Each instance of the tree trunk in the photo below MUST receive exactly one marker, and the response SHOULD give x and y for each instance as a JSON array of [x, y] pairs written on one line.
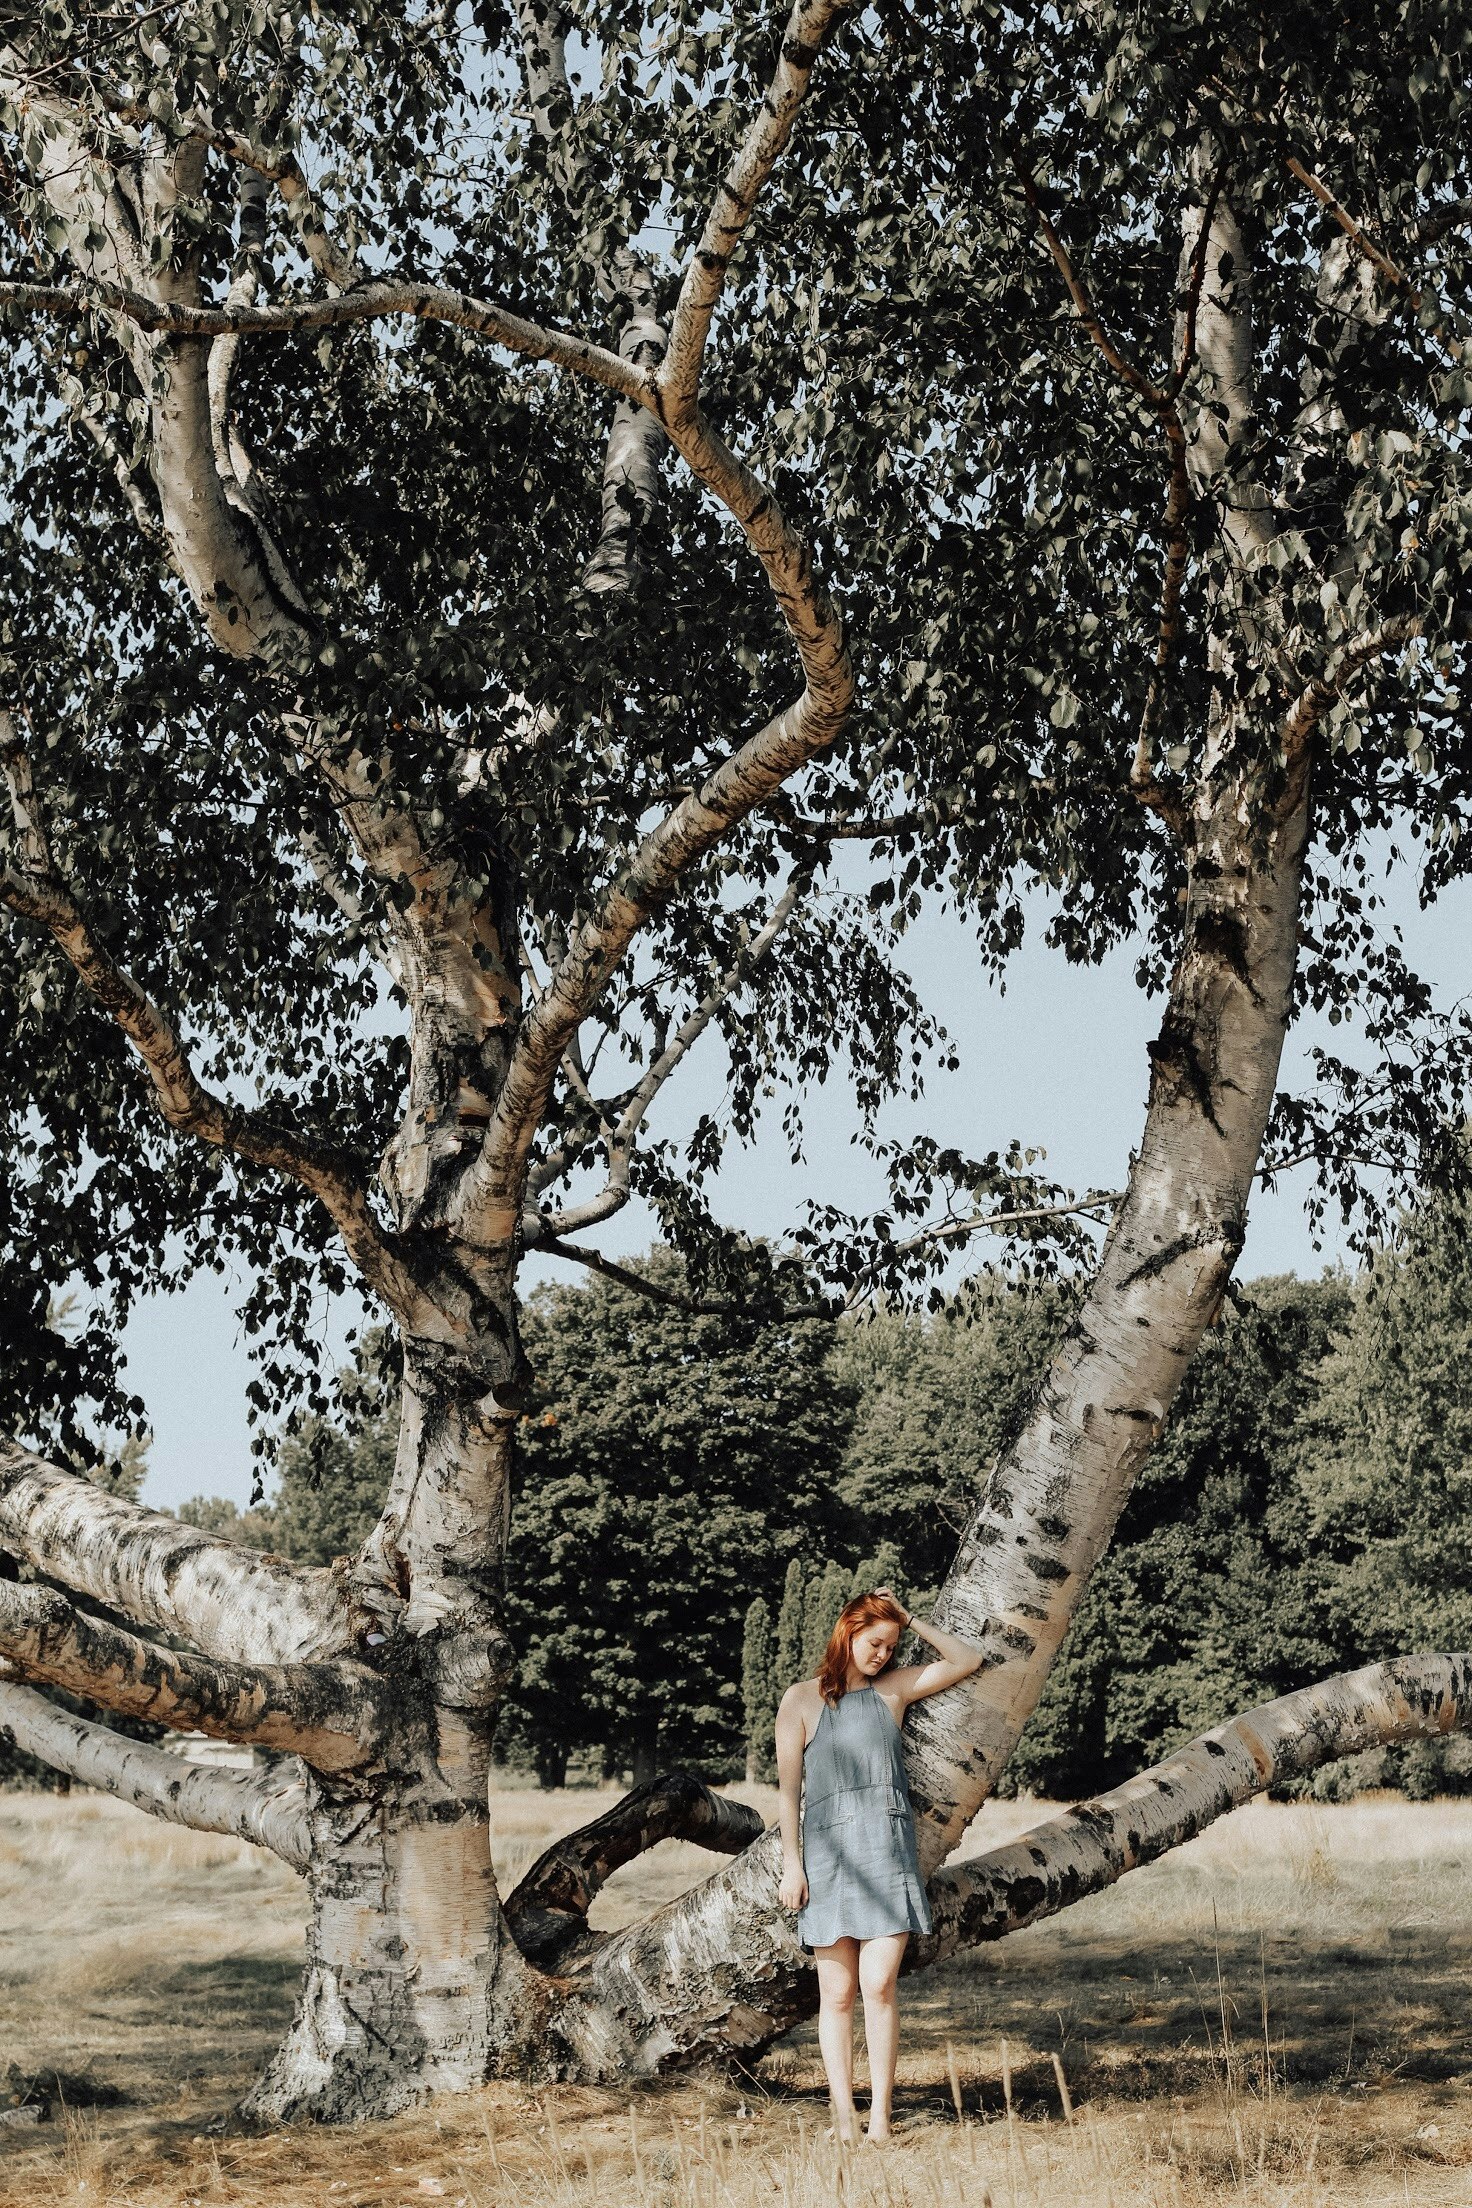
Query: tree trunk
[[412, 1982], [551, 1759], [721, 1968], [1051, 1505]]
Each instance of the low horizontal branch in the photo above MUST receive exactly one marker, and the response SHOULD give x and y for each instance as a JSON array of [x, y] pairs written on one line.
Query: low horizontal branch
[[326, 1713], [549, 1909], [1092, 1846], [266, 1807], [232, 1602]]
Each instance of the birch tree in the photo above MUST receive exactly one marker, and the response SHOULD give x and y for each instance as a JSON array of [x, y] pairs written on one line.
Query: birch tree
[[500, 506]]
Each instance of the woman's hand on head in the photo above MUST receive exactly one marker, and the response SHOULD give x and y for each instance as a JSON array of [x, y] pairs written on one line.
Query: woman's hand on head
[[890, 1596], [793, 1891]]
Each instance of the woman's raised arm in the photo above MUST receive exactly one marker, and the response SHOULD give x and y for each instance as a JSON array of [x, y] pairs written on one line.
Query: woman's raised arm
[[954, 1660]]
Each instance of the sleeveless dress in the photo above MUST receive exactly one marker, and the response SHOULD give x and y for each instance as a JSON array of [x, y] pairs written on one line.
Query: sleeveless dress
[[858, 1828]]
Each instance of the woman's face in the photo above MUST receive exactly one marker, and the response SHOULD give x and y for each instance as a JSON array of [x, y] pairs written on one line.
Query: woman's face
[[873, 1645]]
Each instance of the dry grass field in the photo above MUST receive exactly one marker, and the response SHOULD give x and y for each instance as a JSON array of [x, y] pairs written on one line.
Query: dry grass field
[[1277, 2017]]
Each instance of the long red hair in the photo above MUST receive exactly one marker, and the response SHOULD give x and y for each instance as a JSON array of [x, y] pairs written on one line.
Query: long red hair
[[864, 1610]]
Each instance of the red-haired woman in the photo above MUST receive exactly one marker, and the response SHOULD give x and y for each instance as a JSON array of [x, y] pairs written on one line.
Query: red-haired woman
[[854, 1873]]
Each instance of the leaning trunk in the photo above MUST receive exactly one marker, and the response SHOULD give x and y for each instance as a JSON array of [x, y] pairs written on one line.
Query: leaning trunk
[[1052, 1502], [720, 1970]]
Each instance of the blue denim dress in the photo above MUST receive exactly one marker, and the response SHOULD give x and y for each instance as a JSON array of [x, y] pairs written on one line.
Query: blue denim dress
[[858, 1828]]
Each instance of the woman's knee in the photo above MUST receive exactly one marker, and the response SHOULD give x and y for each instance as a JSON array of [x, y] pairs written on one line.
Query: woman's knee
[[879, 1968], [838, 1981]]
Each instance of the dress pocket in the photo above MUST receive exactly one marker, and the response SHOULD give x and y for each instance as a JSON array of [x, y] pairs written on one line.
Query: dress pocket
[[829, 1815]]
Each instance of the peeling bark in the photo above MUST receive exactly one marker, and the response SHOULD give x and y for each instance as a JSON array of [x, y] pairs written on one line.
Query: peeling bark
[[231, 1602], [1050, 1506], [268, 1808], [413, 1983], [701, 1980], [332, 1715], [1056, 1864]]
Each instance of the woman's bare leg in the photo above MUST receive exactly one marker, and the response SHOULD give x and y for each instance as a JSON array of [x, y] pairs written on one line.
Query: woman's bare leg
[[879, 1969], [838, 1980]]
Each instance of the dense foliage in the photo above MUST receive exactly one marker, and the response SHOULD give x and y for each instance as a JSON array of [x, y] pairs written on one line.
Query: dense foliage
[[900, 354]]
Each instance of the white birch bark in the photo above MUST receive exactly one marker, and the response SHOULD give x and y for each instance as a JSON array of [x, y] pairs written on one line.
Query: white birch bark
[[413, 1983], [720, 1971], [231, 1602], [267, 1807], [335, 1716], [1089, 1847], [1051, 1504], [689, 1983], [414, 1980]]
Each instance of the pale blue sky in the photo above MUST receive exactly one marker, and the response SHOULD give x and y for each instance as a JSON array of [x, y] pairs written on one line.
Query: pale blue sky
[[1057, 1058]]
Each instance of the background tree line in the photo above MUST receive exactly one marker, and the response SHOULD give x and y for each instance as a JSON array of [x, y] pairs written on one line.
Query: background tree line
[[697, 1500]]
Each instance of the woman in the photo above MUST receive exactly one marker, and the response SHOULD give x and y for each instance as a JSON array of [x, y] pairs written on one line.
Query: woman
[[854, 1874]]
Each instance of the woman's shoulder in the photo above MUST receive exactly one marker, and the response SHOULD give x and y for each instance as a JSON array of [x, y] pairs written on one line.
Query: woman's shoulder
[[801, 1695], [803, 1700]]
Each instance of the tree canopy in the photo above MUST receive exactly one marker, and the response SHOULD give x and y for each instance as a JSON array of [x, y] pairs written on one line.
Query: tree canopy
[[952, 385], [535, 537]]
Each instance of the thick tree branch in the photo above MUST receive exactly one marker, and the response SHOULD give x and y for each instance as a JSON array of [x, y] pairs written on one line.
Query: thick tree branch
[[806, 31], [678, 1963], [328, 1714], [232, 1602], [736, 788], [631, 460], [41, 894], [494, 1188], [376, 299], [549, 1909], [112, 218], [231, 461], [1088, 1848], [267, 1807]]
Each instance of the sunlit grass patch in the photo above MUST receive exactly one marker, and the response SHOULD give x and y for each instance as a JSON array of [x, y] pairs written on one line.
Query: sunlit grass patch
[[1275, 2017]]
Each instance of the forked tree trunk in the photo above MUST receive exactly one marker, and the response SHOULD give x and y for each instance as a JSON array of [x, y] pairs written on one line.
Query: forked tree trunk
[[720, 1969], [386, 1674]]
